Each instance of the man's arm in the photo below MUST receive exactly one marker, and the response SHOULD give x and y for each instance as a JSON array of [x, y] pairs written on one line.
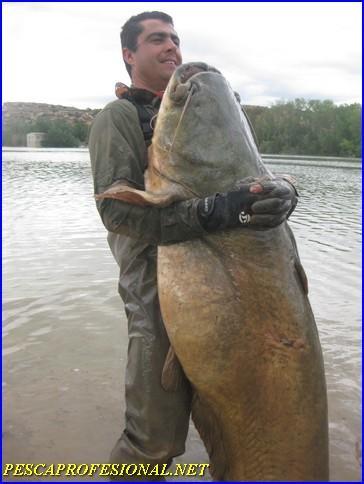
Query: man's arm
[[176, 223], [118, 152]]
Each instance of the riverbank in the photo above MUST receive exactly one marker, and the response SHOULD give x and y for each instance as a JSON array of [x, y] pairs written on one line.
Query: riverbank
[[328, 161]]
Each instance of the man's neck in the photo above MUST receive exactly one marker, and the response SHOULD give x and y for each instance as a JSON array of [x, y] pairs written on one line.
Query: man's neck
[[158, 90]]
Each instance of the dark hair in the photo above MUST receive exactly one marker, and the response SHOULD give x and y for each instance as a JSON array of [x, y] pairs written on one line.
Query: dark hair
[[131, 30]]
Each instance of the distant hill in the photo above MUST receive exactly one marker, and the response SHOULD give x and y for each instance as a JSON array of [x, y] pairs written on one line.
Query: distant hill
[[64, 126], [300, 127], [31, 112]]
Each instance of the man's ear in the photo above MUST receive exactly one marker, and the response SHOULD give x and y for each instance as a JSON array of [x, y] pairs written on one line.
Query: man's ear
[[128, 56]]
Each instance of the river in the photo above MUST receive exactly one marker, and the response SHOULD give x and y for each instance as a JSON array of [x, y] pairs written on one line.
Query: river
[[64, 329]]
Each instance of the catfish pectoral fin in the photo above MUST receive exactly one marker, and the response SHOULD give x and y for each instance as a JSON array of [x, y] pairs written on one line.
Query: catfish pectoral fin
[[301, 275], [135, 197], [127, 196], [172, 373]]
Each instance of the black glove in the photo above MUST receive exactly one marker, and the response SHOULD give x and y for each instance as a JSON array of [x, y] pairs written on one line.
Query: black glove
[[277, 201], [226, 210], [263, 203]]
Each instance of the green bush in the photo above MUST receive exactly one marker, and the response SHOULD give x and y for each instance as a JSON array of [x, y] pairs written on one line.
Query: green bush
[[309, 128], [302, 127], [60, 135]]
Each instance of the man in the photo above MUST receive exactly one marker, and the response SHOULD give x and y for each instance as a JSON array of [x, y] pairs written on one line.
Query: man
[[156, 421]]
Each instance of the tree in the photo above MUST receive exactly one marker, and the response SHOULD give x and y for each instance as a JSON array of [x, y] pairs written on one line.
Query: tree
[[309, 128], [80, 131], [60, 135], [15, 132]]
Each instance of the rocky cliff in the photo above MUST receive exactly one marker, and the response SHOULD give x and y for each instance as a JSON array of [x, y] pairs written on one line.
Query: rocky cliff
[[30, 112]]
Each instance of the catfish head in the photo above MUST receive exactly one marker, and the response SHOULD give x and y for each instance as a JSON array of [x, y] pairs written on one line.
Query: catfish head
[[202, 141]]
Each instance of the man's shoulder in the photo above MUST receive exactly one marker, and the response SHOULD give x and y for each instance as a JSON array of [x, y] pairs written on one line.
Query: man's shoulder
[[119, 106], [121, 113]]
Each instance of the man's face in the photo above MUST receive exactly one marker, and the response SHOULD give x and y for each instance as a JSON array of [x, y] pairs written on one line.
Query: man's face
[[157, 55]]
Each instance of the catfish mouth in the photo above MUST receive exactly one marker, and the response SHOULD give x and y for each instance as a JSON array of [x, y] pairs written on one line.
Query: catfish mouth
[[186, 71], [182, 86], [182, 83]]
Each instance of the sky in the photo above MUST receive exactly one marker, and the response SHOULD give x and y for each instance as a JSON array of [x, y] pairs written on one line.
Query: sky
[[69, 53]]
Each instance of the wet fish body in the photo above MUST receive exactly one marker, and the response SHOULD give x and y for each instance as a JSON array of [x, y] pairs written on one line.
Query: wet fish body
[[235, 303]]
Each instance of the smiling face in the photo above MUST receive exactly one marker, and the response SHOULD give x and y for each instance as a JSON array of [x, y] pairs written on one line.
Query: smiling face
[[156, 57]]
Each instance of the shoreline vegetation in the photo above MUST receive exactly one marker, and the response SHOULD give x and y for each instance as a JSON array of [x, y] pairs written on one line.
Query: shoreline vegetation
[[299, 127]]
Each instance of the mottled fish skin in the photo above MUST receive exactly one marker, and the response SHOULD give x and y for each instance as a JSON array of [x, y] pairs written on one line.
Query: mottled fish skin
[[235, 303]]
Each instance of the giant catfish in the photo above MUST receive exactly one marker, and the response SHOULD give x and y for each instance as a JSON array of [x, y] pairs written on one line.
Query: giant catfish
[[235, 302]]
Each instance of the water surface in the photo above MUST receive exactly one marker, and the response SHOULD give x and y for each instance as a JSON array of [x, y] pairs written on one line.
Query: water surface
[[64, 329]]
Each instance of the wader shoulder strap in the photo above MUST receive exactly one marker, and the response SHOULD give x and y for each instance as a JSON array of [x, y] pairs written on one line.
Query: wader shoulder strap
[[144, 102], [145, 114]]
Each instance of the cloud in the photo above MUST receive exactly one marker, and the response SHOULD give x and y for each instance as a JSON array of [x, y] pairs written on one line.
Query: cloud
[[56, 52]]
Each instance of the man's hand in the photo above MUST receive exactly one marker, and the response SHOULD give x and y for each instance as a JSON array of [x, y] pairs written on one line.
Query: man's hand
[[260, 203], [278, 199]]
